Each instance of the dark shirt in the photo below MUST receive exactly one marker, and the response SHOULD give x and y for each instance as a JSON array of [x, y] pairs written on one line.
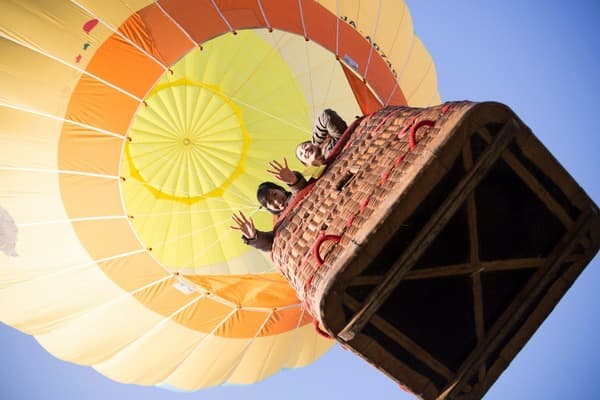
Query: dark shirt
[[264, 240]]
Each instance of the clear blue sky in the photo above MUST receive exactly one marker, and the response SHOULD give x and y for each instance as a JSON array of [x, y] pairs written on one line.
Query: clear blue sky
[[542, 58]]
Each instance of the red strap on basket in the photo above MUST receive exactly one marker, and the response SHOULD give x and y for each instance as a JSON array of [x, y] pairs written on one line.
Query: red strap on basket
[[412, 141], [330, 158], [337, 149], [320, 331], [385, 120], [407, 124], [339, 145], [317, 245], [295, 200]]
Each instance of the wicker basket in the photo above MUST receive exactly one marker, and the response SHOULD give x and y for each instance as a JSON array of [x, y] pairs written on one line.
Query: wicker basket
[[437, 242]]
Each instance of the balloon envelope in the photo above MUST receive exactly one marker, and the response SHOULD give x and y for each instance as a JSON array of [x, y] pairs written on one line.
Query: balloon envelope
[[131, 130]]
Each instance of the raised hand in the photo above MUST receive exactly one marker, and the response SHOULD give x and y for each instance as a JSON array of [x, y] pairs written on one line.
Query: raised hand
[[244, 225], [282, 172]]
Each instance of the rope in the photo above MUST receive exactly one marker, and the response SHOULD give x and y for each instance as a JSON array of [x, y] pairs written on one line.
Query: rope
[[302, 20], [262, 12], [216, 7]]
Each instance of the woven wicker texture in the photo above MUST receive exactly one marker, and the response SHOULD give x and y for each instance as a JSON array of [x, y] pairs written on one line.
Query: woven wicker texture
[[437, 242], [383, 154]]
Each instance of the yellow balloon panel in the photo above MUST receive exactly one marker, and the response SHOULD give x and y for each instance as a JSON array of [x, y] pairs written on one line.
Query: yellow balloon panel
[[387, 24], [393, 26], [217, 360], [270, 355], [27, 140], [306, 347], [365, 18], [45, 241], [419, 78], [37, 310], [41, 250], [201, 145], [395, 38], [138, 362], [213, 361], [33, 82], [319, 75], [64, 31], [126, 318]]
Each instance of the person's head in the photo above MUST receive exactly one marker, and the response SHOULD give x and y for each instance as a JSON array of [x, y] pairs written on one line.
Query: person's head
[[310, 154], [272, 197]]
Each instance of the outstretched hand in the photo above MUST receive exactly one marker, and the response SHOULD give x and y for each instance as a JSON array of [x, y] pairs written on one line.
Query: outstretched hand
[[282, 172], [244, 225]]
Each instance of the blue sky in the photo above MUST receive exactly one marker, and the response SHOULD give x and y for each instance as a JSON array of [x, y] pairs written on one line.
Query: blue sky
[[539, 57]]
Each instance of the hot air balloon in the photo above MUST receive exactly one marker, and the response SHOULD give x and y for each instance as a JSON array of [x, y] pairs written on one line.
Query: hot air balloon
[[131, 130]]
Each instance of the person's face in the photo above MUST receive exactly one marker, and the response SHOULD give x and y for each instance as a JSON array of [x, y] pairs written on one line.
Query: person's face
[[276, 200], [309, 154]]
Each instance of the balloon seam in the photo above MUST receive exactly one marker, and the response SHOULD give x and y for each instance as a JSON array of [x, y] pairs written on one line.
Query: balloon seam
[[57, 59], [117, 32], [174, 21]]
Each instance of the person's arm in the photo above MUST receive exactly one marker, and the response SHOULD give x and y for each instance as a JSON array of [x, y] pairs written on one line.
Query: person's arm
[[328, 123], [261, 240], [250, 235], [293, 179], [299, 184]]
